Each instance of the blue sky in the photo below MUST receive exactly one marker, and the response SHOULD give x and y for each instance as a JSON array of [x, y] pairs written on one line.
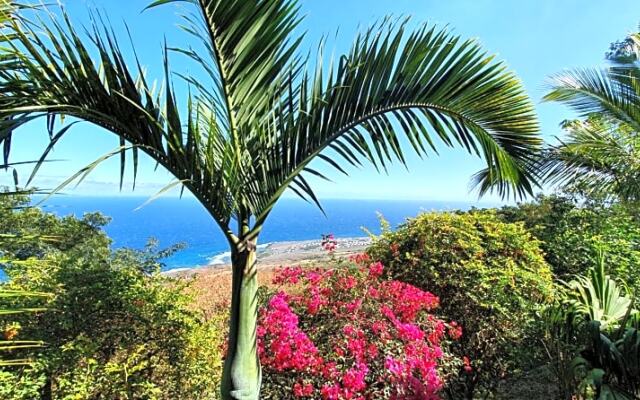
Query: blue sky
[[536, 38]]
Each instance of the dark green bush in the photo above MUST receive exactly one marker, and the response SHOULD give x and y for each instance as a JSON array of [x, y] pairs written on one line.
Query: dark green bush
[[491, 278], [573, 235], [115, 328]]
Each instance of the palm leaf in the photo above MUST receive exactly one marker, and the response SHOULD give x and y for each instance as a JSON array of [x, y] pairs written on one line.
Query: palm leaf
[[611, 94], [52, 54], [13, 345], [596, 158], [253, 130], [436, 85]]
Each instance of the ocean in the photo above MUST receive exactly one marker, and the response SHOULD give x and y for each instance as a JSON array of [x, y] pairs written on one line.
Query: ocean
[[174, 220]]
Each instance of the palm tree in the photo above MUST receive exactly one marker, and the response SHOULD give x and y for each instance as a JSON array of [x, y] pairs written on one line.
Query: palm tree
[[597, 158], [251, 129], [601, 154]]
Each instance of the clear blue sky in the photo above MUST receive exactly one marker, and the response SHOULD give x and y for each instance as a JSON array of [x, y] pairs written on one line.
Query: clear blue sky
[[535, 37]]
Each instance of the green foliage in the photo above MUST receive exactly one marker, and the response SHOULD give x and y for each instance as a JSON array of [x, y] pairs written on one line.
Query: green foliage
[[573, 235], [114, 326], [258, 118], [10, 330], [9, 200], [23, 385], [32, 233], [598, 297], [596, 158], [594, 329], [625, 51], [490, 276], [600, 155]]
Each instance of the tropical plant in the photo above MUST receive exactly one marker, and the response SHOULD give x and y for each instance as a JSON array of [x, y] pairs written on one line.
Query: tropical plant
[[594, 334], [491, 278], [612, 366], [625, 51], [344, 332], [597, 158], [600, 156], [10, 300], [252, 128], [598, 297], [573, 233]]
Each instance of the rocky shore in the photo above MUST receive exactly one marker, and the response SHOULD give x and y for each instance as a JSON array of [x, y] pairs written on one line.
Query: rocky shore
[[286, 254]]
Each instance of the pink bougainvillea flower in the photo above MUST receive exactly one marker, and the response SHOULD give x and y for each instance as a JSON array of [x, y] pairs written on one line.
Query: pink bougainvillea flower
[[302, 390], [376, 269], [343, 332], [467, 365], [287, 275]]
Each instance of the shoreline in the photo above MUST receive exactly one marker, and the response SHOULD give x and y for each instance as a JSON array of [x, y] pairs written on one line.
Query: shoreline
[[277, 254]]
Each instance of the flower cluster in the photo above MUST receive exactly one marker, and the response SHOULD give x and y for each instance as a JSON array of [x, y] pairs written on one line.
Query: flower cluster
[[329, 242], [290, 348], [346, 333]]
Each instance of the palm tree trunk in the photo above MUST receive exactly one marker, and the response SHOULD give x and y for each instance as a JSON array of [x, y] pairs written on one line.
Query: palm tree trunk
[[242, 375]]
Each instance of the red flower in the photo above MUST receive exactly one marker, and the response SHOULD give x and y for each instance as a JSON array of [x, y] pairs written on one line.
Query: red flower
[[287, 275], [360, 259], [302, 390], [467, 365], [455, 331], [375, 269], [329, 243]]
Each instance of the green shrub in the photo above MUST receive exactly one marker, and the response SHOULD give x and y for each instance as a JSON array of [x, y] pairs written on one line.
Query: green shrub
[[22, 384], [28, 232], [593, 335], [490, 276], [115, 328], [573, 235]]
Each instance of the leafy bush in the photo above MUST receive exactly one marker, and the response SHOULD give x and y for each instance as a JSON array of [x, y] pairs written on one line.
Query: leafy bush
[[28, 232], [114, 327], [491, 277], [594, 330], [573, 235], [346, 334]]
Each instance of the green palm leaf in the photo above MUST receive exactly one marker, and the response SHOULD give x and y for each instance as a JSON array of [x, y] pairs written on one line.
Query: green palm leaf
[[611, 93], [600, 155], [597, 158], [434, 85]]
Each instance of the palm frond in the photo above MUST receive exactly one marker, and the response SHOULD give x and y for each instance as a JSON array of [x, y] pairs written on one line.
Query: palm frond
[[425, 85], [612, 94], [250, 49], [596, 158], [53, 74], [600, 154], [267, 114]]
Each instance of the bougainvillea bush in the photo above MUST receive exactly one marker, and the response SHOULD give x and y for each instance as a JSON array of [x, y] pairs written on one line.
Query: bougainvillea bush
[[346, 333]]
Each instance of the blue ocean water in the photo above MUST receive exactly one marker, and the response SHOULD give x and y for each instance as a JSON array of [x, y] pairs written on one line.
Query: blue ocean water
[[174, 220]]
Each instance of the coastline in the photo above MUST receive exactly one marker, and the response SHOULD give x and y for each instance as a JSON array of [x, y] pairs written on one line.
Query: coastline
[[279, 254]]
